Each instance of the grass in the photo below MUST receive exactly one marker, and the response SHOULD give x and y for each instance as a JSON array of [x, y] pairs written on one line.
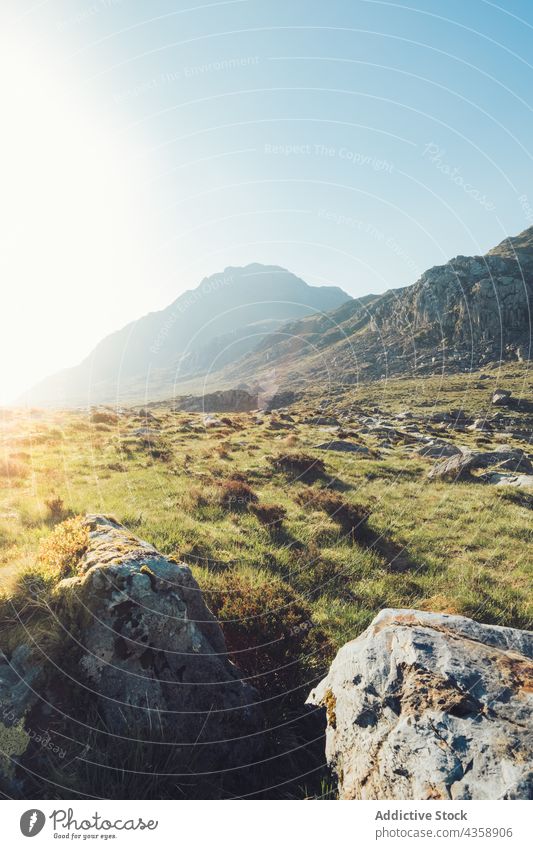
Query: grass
[[210, 506]]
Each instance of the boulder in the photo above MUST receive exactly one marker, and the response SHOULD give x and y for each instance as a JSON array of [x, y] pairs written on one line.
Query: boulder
[[146, 433], [344, 447], [430, 706], [322, 420], [222, 401], [501, 397], [480, 426], [459, 466], [19, 682], [282, 398], [141, 650], [151, 647], [437, 449]]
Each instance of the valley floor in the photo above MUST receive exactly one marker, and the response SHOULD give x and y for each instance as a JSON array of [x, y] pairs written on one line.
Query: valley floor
[[299, 525]]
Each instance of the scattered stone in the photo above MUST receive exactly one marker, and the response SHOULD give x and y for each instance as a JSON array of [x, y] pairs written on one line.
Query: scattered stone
[[499, 479], [151, 644], [141, 641], [430, 706], [437, 449], [146, 432], [322, 420], [275, 424], [345, 447], [481, 426], [501, 398]]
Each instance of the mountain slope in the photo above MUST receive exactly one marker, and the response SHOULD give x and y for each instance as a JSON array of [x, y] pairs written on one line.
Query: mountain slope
[[203, 330], [457, 316]]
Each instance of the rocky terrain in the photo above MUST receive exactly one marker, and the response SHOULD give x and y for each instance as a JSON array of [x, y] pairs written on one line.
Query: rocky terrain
[[246, 549], [420, 706]]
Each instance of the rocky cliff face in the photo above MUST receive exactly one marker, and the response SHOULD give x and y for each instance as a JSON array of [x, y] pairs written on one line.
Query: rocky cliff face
[[430, 706], [461, 315]]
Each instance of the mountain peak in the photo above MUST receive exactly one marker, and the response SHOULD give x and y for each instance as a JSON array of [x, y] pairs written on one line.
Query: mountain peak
[[204, 329], [513, 246]]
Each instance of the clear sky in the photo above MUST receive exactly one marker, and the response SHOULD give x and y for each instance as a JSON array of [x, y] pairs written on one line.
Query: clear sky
[[149, 143]]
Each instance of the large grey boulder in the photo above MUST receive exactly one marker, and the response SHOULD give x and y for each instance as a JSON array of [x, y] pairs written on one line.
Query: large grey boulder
[[150, 652], [430, 706]]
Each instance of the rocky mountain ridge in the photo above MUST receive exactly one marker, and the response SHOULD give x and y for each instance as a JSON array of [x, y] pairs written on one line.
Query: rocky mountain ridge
[[458, 316]]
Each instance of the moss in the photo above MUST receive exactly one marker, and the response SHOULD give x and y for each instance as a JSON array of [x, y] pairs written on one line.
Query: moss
[[330, 703], [14, 741]]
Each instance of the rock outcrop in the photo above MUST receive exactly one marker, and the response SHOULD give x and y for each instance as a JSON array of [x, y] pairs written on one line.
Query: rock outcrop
[[459, 466], [151, 646], [140, 650], [344, 447], [431, 706], [469, 312], [501, 398], [223, 401]]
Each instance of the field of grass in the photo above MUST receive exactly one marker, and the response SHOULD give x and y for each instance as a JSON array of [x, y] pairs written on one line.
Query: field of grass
[[456, 547]]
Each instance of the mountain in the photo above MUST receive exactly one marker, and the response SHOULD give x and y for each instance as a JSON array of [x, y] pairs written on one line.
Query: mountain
[[458, 316], [205, 329]]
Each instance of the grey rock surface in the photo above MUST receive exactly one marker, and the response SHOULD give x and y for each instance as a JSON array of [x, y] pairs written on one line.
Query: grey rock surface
[[438, 449], [459, 466], [501, 397], [151, 651], [344, 447], [431, 706]]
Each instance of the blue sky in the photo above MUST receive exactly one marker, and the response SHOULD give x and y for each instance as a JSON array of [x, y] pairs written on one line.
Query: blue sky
[[153, 143]]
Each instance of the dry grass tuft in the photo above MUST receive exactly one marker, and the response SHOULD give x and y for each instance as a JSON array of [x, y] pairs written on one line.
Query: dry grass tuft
[[62, 551]]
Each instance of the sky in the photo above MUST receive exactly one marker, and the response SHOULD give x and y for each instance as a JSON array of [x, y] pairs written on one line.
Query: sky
[[147, 144]]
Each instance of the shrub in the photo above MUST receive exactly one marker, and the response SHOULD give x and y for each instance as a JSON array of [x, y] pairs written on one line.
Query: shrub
[[103, 417], [56, 508], [303, 465], [63, 549], [268, 629], [351, 517], [291, 440], [236, 495], [12, 468], [271, 515], [156, 448]]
